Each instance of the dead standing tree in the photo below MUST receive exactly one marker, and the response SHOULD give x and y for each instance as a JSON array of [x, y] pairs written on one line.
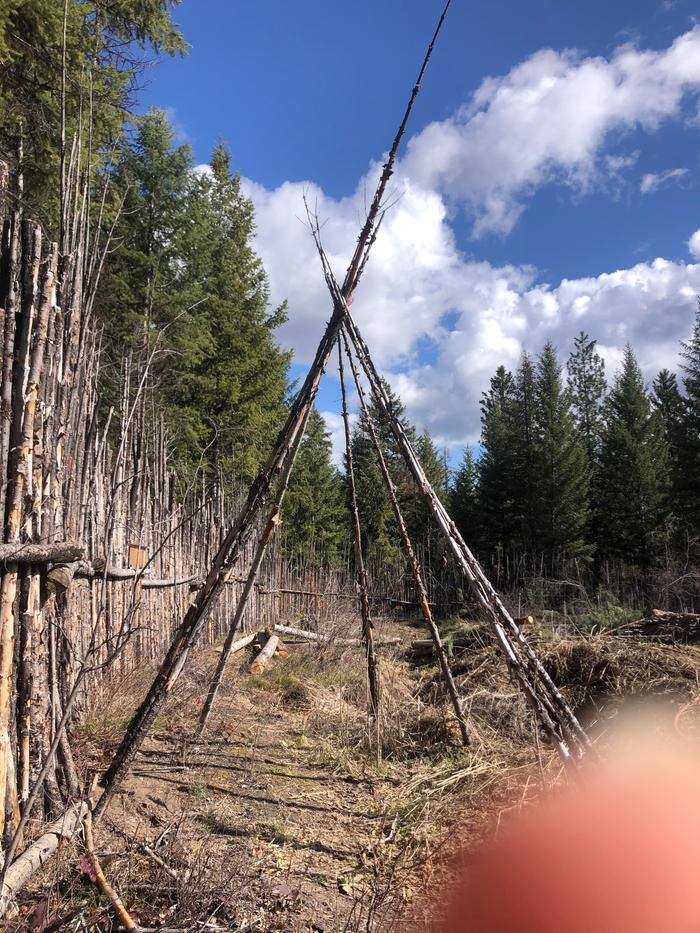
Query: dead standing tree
[[243, 528]]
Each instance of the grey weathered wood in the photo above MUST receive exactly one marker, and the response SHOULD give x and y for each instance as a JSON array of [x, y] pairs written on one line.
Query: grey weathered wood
[[410, 554], [360, 571], [31, 860]]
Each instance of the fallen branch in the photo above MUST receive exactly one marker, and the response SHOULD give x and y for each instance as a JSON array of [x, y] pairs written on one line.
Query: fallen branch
[[241, 643], [55, 836], [120, 910], [329, 639], [149, 853], [98, 569], [300, 633]]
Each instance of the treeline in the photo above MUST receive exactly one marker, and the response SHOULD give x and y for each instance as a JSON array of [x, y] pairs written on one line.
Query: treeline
[[316, 516], [574, 468]]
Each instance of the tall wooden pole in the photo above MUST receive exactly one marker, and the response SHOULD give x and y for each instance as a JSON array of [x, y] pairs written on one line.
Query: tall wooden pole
[[556, 716], [272, 522], [360, 570]]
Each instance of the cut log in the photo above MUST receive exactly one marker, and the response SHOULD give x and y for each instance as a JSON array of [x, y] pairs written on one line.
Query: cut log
[[263, 659], [61, 552], [30, 861], [300, 633], [241, 643]]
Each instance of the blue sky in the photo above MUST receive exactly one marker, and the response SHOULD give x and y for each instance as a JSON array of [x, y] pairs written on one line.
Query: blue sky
[[558, 196]]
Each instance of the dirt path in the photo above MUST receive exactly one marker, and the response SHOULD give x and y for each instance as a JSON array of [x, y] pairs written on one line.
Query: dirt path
[[289, 831]]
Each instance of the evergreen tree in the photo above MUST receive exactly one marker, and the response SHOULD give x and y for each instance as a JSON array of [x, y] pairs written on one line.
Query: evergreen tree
[[525, 454], [421, 525], [186, 285], [562, 501], [498, 466], [633, 476], [314, 517], [228, 376], [671, 408], [463, 499], [98, 68], [380, 536], [140, 295], [587, 385], [688, 479]]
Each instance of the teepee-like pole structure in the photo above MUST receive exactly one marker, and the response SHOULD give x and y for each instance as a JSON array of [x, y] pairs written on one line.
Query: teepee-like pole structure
[[557, 718], [243, 528], [438, 646]]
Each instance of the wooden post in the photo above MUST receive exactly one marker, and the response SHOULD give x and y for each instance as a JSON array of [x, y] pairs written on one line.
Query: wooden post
[[556, 716]]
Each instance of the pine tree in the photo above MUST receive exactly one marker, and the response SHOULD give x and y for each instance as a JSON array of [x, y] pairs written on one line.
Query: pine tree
[[633, 476], [99, 68], [587, 385], [380, 536], [227, 380], [562, 500], [497, 467], [187, 285], [463, 499], [421, 526], [139, 297], [314, 517]]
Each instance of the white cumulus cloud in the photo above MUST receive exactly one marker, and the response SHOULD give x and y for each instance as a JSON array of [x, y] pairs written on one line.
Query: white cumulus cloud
[[547, 120], [437, 322]]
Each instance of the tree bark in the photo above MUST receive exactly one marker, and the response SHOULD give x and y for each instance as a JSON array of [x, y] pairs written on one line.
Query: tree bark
[[30, 553]]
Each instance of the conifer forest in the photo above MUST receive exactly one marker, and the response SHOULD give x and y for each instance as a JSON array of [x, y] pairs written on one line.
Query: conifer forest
[[266, 666]]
